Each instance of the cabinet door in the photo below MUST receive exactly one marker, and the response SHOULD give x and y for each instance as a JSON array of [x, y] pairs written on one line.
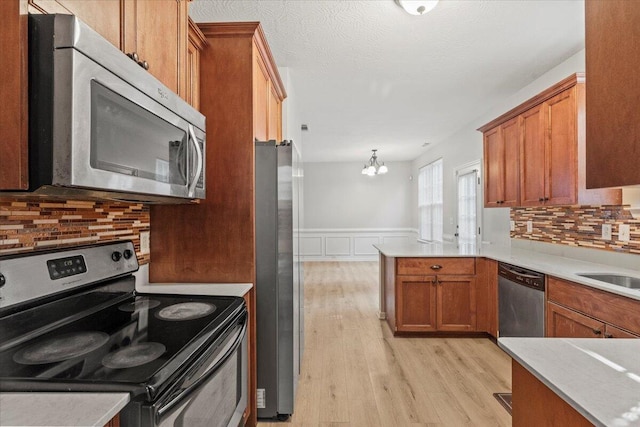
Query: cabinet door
[[157, 32], [261, 94], [456, 303], [613, 332], [532, 150], [197, 42], [511, 142], [565, 323], [103, 16], [275, 115], [416, 304], [613, 117], [14, 174], [561, 161], [493, 168]]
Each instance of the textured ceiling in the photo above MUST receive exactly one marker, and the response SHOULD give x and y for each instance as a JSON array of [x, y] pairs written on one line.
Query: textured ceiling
[[368, 75]]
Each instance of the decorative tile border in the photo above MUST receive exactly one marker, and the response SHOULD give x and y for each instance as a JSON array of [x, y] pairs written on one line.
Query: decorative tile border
[[577, 226], [34, 224]]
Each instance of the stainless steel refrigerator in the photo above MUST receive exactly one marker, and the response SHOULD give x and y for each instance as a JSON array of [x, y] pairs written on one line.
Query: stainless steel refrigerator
[[278, 294]]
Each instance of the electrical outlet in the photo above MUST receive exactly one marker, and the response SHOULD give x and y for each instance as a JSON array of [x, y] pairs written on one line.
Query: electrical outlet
[[512, 224], [624, 232], [606, 231], [144, 243], [529, 226]]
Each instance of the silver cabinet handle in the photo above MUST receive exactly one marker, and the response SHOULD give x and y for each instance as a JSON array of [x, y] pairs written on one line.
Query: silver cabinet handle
[[194, 182], [436, 267]]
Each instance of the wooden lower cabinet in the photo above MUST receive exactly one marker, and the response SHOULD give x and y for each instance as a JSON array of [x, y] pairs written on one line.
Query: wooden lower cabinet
[[432, 302], [534, 404], [456, 303], [114, 422], [577, 311], [416, 303], [565, 323]]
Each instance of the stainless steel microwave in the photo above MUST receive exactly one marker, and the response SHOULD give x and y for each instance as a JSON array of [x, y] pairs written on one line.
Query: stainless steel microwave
[[101, 126]]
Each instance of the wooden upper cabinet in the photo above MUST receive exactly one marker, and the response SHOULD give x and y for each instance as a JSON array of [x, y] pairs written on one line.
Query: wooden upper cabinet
[[103, 16], [561, 178], [267, 104], [154, 30], [14, 160], [551, 157], [532, 181], [612, 39], [197, 42], [501, 147], [157, 31], [493, 167], [274, 124], [260, 99]]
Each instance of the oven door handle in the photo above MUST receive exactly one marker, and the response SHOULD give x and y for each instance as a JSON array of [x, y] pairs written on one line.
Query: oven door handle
[[196, 176], [217, 363]]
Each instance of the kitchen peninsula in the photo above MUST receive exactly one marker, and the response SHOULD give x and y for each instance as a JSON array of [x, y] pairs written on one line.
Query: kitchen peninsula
[[435, 289]]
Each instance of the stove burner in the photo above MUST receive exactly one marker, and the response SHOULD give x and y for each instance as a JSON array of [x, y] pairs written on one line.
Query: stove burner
[[140, 303], [186, 311], [62, 347], [134, 355]]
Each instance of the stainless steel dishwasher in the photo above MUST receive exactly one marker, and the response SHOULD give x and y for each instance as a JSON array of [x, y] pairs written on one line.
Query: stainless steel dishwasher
[[520, 302]]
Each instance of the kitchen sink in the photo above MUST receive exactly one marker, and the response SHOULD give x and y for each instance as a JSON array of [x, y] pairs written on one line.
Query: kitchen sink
[[614, 279]]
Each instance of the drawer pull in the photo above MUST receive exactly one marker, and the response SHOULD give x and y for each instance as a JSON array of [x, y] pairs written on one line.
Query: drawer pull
[[608, 336], [436, 267], [597, 331]]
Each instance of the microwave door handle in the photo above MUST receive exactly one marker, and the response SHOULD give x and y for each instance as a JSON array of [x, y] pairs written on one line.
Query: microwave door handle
[[194, 182]]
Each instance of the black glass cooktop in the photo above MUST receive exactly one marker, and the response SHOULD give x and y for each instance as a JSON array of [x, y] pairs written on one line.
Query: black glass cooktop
[[104, 336]]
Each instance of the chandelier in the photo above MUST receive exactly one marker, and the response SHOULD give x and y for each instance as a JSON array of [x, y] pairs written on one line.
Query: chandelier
[[373, 167]]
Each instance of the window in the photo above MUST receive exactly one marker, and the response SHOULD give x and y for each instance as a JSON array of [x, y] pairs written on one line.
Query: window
[[430, 201]]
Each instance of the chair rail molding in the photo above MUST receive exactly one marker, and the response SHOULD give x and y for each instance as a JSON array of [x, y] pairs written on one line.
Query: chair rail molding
[[349, 244]]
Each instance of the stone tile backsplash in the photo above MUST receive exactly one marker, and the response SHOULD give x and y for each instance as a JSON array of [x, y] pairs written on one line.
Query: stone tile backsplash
[[37, 224], [577, 226]]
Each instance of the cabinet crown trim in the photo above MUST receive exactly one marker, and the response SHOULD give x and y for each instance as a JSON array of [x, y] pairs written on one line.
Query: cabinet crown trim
[[559, 87], [250, 29]]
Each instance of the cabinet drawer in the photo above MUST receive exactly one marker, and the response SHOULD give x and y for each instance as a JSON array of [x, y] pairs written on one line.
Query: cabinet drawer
[[436, 266], [610, 308]]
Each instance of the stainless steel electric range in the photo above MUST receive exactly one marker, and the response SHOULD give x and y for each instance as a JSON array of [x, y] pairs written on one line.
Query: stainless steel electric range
[[71, 320]]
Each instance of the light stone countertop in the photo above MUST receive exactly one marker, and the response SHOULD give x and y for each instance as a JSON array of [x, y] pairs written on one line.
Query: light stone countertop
[[557, 266], [60, 409], [599, 378], [210, 289]]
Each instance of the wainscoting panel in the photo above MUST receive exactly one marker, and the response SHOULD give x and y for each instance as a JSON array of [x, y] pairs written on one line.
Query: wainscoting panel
[[349, 244], [310, 245], [364, 245], [337, 246]]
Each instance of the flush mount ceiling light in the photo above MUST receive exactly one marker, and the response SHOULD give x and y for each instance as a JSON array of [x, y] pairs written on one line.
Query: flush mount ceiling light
[[373, 167], [417, 7]]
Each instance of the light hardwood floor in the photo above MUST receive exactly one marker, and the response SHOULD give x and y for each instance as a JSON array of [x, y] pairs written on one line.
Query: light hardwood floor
[[355, 373]]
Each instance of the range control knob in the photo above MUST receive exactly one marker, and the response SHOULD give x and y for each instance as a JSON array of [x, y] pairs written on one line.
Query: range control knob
[[127, 253], [116, 256], [3, 281]]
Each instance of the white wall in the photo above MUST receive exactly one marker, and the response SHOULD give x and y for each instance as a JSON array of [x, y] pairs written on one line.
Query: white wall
[[346, 213], [466, 145], [338, 196]]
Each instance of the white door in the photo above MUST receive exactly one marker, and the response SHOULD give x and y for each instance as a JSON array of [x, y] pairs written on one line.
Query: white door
[[468, 230]]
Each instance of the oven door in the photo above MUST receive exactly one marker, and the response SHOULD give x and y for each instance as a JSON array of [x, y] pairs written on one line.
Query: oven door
[[213, 393]]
